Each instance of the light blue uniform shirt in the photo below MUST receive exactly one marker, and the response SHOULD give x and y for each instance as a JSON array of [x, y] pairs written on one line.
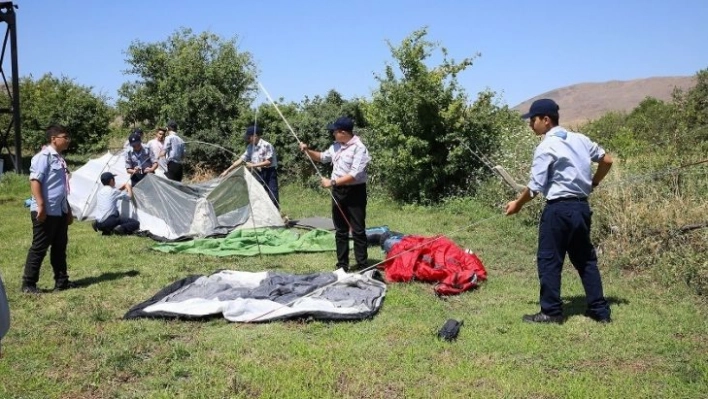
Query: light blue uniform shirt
[[261, 152], [562, 165], [107, 202], [174, 148], [350, 158], [48, 167]]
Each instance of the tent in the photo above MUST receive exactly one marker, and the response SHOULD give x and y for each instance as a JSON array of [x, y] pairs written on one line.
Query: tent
[[265, 296], [169, 210]]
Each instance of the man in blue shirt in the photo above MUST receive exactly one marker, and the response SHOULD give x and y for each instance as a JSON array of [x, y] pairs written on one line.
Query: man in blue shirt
[[173, 152], [562, 172], [108, 219], [139, 160], [262, 160], [50, 211]]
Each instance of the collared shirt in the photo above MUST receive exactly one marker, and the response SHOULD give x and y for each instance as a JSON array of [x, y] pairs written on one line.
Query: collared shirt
[[143, 158], [260, 152], [48, 167], [156, 146], [107, 199], [562, 164], [174, 147], [350, 158]]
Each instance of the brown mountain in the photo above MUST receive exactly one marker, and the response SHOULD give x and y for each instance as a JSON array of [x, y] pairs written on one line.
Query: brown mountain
[[586, 101]]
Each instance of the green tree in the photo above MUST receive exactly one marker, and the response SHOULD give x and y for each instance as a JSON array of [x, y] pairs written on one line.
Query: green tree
[[61, 100], [420, 116], [200, 80]]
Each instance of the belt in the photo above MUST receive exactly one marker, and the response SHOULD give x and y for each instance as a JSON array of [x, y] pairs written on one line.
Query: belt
[[567, 199]]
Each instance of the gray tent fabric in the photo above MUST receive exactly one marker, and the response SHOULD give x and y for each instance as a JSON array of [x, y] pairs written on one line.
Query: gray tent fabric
[[4, 313], [172, 211], [267, 296], [316, 222]]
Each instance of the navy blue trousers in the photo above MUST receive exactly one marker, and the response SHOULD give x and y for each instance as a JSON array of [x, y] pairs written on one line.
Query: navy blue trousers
[[54, 232], [129, 225], [269, 180], [565, 228]]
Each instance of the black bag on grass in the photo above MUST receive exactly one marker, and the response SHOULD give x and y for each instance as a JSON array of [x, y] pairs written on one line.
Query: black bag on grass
[[450, 329]]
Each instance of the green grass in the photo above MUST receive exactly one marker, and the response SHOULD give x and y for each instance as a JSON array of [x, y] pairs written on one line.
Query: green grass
[[74, 344]]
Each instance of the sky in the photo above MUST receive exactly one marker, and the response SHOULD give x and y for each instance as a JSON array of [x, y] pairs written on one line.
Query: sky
[[308, 47]]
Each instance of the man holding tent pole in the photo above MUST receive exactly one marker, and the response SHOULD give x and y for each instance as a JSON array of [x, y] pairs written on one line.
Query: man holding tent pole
[[139, 160], [261, 158], [562, 171], [349, 157]]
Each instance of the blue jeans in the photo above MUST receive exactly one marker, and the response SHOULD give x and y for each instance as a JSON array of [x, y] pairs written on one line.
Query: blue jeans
[[565, 228]]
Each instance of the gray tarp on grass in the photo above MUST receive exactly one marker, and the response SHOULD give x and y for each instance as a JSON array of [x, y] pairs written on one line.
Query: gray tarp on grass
[[265, 296]]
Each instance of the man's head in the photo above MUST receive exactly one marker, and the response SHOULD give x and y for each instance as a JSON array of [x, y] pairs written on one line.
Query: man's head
[[135, 141], [160, 133], [342, 128], [253, 134], [58, 137], [172, 125], [108, 179], [543, 115]]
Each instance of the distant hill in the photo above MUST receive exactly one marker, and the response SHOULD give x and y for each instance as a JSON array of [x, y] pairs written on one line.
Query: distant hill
[[586, 101]]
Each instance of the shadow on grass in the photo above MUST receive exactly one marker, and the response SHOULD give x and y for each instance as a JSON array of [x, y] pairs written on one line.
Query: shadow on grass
[[576, 305], [85, 282]]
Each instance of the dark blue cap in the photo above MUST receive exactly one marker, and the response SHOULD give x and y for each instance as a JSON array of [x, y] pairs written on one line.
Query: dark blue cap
[[342, 123], [544, 106], [135, 138], [106, 177], [172, 125], [251, 130]]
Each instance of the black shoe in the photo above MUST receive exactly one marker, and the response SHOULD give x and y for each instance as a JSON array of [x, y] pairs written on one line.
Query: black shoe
[[119, 230], [30, 289], [541, 317], [94, 226], [603, 320], [345, 268], [64, 286]]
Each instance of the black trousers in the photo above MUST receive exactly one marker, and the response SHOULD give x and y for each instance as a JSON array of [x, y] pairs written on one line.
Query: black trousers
[[129, 225], [351, 208], [136, 177], [565, 229], [269, 180], [175, 171], [54, 232]]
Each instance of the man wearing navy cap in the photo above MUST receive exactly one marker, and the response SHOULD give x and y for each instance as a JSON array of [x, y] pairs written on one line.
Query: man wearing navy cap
[[261, 158], [562, 172], [108, 219], [139, 160], [349, 157]]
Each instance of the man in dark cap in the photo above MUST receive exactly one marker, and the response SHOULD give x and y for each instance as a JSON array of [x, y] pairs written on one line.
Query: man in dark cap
[[562, 172], [349, 157], [139, 160], [261, 158], [173, 152], [108, 219]]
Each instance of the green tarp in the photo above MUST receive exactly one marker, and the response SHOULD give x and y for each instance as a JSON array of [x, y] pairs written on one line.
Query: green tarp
[[253, 242]]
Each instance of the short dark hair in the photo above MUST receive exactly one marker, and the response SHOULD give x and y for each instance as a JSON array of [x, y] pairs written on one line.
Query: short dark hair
[[55, 129]]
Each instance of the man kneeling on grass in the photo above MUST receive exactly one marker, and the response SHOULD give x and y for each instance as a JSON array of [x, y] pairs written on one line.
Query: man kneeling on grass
[[108, 219]]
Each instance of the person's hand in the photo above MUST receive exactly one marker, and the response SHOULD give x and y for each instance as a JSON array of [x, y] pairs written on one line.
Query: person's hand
[[326, 183], [250, 165], [41, 214], [303, 147], [512, 207]]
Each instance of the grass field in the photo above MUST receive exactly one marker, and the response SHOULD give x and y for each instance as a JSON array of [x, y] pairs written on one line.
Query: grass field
[[74, 344]]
